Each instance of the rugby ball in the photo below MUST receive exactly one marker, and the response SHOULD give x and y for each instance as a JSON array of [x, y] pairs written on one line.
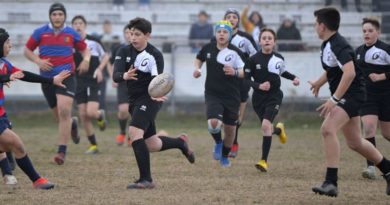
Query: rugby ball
[[161, 85]]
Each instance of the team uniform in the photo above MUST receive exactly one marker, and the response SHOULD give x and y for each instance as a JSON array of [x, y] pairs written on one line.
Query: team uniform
[[375, 59], [335, 52], [59, 49], [121, 91], [266, 67], [88, 88], [222, 92], [150, 63]]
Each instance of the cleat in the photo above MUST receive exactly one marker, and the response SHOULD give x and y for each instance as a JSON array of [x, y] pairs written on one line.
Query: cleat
[[262, 165], [43, 183], [129, 142], [188, 153], [102, 122], [92, 150], [327, 189], [225, 163], [217, 153], [387, 178], [10, 180], [59, 158], [141, 184], [369, 172], [234, 151], [74, 133], [120, 139], [282, 135]]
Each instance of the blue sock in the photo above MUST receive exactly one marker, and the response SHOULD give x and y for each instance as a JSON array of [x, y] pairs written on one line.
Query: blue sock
[[5, 167], [62, 149], [25, 164]]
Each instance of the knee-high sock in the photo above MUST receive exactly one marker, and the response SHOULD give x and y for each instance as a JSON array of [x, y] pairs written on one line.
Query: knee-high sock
[[142, 157]]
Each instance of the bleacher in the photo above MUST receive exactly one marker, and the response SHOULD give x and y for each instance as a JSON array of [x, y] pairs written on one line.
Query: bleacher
[[172, 18]]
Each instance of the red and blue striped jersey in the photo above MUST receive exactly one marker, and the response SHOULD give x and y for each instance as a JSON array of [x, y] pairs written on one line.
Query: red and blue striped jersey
[[56, 47], [5, 68]]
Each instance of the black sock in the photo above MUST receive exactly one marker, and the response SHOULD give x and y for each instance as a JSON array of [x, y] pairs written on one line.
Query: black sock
[[277, 131], [62, 149], [331, 175], [11, 160], [172, 143], [372, 140], [384, 166], [92, 139], [217, 137], [236, 138], [225, 151], [5, 167], [142, 157], [25, 164], [267, 140], [123, 125]]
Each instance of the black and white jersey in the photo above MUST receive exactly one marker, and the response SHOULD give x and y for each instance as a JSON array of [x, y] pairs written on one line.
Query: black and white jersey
[[217, 83], [149, 62], [266, 67], [245, 43], [335, 52], [97, 53], [374, 59]]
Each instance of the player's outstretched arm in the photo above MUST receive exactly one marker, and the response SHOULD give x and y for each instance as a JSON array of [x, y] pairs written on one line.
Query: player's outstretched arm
[[34, 78], [197, 72]]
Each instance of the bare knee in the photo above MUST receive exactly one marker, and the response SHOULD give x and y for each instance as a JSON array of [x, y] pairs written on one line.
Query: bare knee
[[266, 127], [327, 131], [63, 113], [214, 126], [355, 144], [369, 130]]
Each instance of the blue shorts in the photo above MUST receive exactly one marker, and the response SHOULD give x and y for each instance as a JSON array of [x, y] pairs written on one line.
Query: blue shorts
[[4, 123]]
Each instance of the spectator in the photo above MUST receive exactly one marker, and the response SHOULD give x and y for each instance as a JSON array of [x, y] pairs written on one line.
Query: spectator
[[200, 30], [289, 31], [118, 5], [252, 24], [344, 4]]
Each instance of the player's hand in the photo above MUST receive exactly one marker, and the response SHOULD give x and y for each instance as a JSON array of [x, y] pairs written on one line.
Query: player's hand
[[160, 99], [130, 74], [265, 86], [325, 108], [114, 84], [315, 88], [229, 70], [377, 77], [44, 64], [16, 75], [98, 75], [296, 81], [197, 73], [57, 80], [83, 67]]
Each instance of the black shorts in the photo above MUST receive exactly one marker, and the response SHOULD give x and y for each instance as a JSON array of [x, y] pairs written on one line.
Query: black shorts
[[143, 114], [219, 109], [351, 104], [244, 91], [121, 93], [4, 123], [87, 91], [378, 105], [50, 90], [267, 106]]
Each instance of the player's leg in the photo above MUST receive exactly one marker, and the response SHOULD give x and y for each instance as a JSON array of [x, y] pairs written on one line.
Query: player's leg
[[214, 109], [161, 142], [333, 122], [230, 118], [123, 113], [9, 141], [351, 132], [6, 171], [369, 127]]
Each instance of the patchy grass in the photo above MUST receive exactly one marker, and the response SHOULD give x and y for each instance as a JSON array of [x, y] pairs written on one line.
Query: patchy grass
[[101, 179]]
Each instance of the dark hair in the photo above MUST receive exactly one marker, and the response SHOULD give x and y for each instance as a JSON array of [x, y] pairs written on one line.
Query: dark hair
[[3, 37], [256, 13], [81, 17], [329, 16], [372, 21], [57, 6], [141, 24], [269, 30]]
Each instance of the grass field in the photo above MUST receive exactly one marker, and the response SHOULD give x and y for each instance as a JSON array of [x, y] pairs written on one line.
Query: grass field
[[101, 179]]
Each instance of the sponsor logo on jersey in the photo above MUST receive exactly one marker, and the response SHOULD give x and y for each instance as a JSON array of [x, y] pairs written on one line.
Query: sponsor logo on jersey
[[376, 55], [258, 66], [66, 39], [118, 57], [127, 59], [279, 65], [241, 44], [247, 70], [208, 55], [229, 57], [145, 62], [143, 107]]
